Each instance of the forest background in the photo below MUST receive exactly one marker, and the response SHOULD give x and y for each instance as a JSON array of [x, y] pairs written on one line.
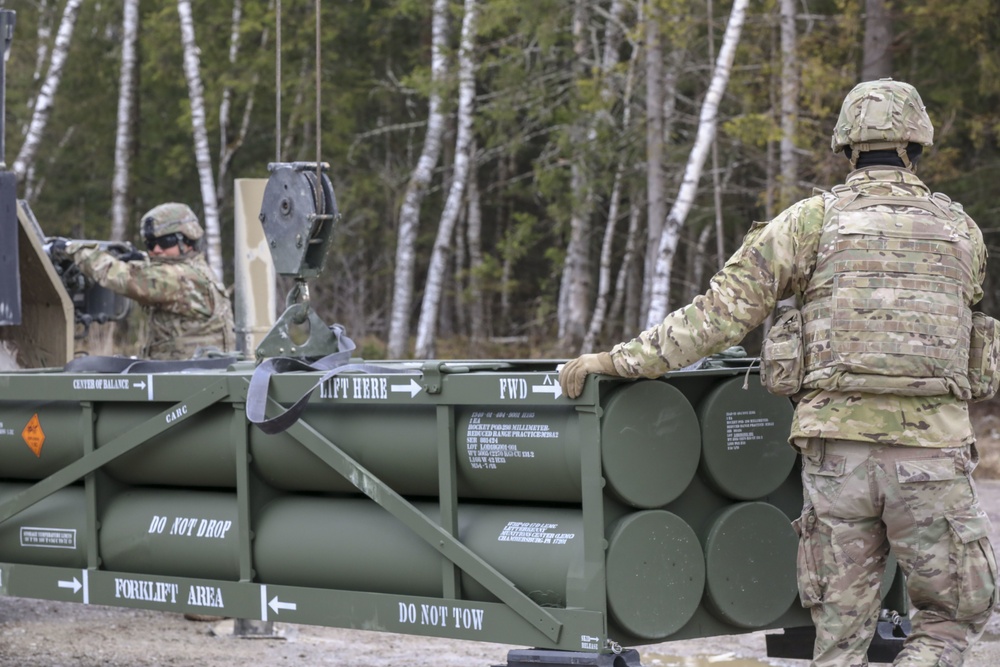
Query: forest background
[[515, 177]]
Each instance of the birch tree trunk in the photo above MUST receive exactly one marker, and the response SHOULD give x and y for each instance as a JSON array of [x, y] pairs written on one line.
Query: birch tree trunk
[[627, 273], [474, 239], [656, 205], [203, 159], [127, 81], [409, 212], [227, 92], [789, 105], [716, 188], [229, 142], [458, 280], [604, 270], [610, 57], [506, 248], [697, 263], [427, 326], [43, 35], [574, 289], [292, 135], [25, 159], [787, 156], [877, 58], [707, 121]]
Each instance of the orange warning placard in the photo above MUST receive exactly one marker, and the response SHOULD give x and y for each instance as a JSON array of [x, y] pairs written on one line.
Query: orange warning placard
[[33, 435]]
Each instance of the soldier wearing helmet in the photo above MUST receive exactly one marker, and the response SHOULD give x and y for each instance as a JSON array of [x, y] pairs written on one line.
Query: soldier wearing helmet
[[187, 309], [881, 356], [172, 224]]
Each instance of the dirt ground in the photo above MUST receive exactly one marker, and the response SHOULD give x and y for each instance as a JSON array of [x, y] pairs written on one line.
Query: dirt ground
[[35, 633]]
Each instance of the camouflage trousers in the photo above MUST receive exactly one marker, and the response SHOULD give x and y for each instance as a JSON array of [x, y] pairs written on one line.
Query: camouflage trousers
[[860, 500]]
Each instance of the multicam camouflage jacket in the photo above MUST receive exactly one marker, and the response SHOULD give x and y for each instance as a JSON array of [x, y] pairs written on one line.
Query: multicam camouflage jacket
[[186, 307], [776, 262]]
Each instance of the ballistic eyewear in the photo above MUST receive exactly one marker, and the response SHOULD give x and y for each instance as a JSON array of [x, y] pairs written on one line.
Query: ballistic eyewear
[[165, 242]]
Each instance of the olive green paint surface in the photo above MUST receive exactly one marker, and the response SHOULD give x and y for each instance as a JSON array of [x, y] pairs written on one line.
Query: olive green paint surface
[[469, 500]]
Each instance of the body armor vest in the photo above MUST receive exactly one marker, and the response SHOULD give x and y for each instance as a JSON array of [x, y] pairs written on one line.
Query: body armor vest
[[887, 307], [172, 336]]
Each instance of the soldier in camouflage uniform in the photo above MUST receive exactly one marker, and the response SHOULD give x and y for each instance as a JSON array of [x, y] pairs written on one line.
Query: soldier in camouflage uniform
[[187, 307], [877, 362]]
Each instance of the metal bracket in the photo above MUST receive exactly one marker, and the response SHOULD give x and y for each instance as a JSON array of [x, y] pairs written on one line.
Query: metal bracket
[[432, 372], [797, 643], [549, 658], [299, 321]]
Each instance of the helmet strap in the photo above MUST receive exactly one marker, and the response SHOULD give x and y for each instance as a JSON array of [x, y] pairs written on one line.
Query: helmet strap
[[857, 149], [901, 152]]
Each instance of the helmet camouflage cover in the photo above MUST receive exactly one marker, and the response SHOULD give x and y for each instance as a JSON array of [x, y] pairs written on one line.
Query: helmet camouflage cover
[[882, 114], [172, 218]]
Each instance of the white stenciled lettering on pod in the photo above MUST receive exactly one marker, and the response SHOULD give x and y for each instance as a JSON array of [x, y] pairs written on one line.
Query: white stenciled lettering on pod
[[205, 596], [366, 388], [548, 386], [513, 388], [334, 388], [177, 413], [101, 383], [439, 615], [193, 527], [149, 591], [370, 388]]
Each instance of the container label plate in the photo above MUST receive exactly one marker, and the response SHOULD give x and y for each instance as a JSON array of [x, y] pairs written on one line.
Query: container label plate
[[533, 533], [49, 538], [493, 438], [743, 427]]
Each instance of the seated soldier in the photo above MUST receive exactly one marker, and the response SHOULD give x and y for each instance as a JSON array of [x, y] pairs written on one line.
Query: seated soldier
[[186, 307]]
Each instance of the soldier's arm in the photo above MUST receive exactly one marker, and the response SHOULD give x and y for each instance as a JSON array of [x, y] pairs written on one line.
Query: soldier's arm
[[146, 282], [773, 263]]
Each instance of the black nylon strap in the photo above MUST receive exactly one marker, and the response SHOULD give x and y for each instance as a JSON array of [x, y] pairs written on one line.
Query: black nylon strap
[[165, 366], [334, 364], [104, 364], [93, 364]]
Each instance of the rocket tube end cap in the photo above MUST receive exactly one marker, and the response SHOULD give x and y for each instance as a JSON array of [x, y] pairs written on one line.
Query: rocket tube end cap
[[650, 443], [750, 556], [655, 574], [745, 453]]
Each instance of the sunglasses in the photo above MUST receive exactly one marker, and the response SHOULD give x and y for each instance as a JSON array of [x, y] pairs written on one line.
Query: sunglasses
[[165, 242]]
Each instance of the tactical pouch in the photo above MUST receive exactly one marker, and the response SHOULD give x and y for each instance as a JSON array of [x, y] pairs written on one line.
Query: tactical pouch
[[782, 363], [984, 357]]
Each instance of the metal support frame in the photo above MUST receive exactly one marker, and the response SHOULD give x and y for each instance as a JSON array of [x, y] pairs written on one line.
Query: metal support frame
[[95, 459], [436, 536]]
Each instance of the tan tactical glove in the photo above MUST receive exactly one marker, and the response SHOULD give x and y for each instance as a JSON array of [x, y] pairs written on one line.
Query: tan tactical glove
[[72, 247], [574, 373]]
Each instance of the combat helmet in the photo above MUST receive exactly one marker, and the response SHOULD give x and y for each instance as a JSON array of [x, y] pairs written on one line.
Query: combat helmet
[[172, 218], [878, 115]]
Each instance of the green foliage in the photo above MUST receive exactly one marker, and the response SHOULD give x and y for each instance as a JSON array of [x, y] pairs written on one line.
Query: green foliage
[[543, 107], [755, 129]]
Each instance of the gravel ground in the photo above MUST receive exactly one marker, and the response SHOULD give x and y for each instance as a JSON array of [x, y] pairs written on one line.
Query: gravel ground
[[35, 633]]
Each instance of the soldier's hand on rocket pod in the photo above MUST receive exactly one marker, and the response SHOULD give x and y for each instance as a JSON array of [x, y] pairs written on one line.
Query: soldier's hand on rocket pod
[[574, 373]]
